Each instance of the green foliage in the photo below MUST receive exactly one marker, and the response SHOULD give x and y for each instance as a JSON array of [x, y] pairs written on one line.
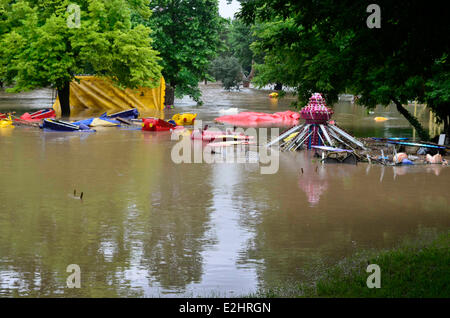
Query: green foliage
[[326, 46], [228, 71], [38, 49], [416, 268], [405, 272], [437, 94], [187, 35], [239, 40], [308, 65], [236, 39]]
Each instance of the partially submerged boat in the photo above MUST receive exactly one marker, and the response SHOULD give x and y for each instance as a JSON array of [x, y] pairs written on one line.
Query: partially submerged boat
[[212, 135], [156, 124], [59, 125], [273, 95], [125, 114], [184, 119], [38, 116], [98, 122], [6, 123]]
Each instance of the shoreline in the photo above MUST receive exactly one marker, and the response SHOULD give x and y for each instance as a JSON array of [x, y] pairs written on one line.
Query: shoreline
[[417, 267]]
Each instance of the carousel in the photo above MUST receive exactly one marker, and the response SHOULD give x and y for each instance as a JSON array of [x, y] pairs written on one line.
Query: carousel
[[318, 132]]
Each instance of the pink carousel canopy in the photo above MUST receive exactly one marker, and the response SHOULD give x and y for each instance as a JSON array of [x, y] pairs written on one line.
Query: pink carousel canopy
[[316, 111]]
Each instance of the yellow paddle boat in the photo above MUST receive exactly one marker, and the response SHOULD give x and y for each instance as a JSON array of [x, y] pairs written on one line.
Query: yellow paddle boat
[[380, 119], [184, 119], [7, 123], [273, 95]]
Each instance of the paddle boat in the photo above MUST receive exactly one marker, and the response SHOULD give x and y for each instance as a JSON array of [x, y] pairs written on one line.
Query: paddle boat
[[125, 114], [379, 119], [6, 122], [184, 119], [59, 125], [273, 95], [211, 135], [38, 116], [3, 116], [156, 124], [98, 122]]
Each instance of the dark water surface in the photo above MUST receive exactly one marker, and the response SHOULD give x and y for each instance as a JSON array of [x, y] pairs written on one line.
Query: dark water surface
[[149, 227]]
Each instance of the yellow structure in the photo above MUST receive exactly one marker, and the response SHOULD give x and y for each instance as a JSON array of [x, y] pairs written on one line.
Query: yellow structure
[[95, 95], [184, 119]]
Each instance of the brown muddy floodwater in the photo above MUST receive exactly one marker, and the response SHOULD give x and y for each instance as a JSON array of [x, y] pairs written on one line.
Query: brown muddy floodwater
[[149, 227]]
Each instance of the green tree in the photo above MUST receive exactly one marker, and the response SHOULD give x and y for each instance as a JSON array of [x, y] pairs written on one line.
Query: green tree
[[234, 52], [38, 48], [328, 47], [187, 35], [437, 94], [227, 70], [240, 38]]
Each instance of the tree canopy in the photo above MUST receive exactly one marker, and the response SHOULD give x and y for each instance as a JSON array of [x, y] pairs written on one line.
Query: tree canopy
[[39, 48], [227, 70], [327, 46], [235, 62], [186, 34]]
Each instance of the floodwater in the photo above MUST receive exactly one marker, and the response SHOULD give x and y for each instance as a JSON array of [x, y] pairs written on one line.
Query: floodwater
[[149, 227]]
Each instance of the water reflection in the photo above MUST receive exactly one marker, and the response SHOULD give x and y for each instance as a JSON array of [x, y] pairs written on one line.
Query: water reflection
[[435, 169], [224, 274], [314, 184]]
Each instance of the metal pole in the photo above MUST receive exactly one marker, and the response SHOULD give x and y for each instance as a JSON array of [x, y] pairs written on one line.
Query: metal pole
[[285, 134]]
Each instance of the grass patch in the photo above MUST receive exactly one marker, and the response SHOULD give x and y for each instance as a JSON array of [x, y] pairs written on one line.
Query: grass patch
[[416, 268]]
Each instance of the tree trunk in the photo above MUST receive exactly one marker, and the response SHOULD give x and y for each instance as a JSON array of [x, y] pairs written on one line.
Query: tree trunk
[[412, 120], [278, 87], [446, 131], [170, 95], [252, 72], [64, 99], [245, 80]]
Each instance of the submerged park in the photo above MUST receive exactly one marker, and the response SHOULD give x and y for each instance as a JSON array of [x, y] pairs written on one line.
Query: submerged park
[[171, 148]]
